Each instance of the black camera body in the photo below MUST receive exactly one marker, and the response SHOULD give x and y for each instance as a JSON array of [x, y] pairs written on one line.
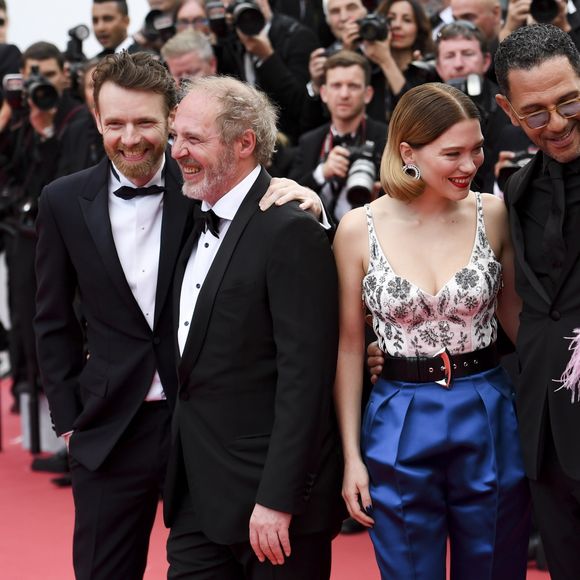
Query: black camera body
[[520, 159], [158, 27], [373, 27], [471, 85], [36, 87], [75, 56], [362, 173], [40, 90], [245, 15], [544, 11]]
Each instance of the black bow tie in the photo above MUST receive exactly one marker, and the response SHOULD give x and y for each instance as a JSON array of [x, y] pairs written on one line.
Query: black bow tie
[[127, 192], [208, 220]]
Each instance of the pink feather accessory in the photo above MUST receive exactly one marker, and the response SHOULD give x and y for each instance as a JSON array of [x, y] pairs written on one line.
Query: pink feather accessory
[[570, 378]]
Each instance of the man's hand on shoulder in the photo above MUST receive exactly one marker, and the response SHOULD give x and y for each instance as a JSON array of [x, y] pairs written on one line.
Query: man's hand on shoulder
[[269, 534], [283, 190]]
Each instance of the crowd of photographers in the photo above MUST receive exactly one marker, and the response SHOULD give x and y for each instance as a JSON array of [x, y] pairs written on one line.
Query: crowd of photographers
[[335, 68]]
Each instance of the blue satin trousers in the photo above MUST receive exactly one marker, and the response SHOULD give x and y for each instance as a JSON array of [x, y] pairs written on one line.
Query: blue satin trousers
[[446, 464]]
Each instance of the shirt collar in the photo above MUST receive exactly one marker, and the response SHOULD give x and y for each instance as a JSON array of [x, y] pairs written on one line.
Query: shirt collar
[[227, 206]]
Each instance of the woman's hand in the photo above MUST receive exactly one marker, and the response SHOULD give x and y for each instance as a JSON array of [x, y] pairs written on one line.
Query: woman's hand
[[355, 492]]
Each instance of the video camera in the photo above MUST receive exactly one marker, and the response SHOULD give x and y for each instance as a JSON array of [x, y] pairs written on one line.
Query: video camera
[[245, 15], [373, 27]]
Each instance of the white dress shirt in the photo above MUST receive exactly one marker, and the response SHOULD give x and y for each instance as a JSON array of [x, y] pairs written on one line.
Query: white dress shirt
[[136, 226], [204, 252]]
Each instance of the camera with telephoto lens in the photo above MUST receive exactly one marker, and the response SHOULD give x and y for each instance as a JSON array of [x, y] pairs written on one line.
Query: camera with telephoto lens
[[40, 90], [373, 27], [544, 11], [362, 174], [471, 85], [36, 87], [245, 14]]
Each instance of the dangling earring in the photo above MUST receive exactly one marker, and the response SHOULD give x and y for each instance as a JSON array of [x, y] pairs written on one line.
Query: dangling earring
[[412, 171]]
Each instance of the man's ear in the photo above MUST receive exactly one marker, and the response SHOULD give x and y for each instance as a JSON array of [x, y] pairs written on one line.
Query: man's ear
[[407, 153], [247, 143], [503, 103], [98, 120], [486, 61], [323, 93], [369, 92]]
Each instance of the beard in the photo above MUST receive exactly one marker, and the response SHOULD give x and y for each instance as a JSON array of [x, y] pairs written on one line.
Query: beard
[[217, 179], [144, 168]]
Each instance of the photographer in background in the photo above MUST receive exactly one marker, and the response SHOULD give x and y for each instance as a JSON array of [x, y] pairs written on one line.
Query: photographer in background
[[41, 116], [266, 49], [391, 39], [487, 16], [340, 160], [523, 12], [462, 60], [191, 15], [189, 55], [9, 61], [110, 20]]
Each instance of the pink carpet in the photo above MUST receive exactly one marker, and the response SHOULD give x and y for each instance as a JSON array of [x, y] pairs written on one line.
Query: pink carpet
[[36, 521]]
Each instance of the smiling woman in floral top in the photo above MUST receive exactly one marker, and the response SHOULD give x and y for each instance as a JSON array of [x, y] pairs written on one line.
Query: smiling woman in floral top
[[438, 454]]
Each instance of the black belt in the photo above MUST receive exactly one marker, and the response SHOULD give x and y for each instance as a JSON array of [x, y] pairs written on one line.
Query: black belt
[[440, 368]]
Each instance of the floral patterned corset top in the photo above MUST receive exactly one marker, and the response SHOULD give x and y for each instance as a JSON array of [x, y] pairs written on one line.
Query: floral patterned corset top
[[411, 322]]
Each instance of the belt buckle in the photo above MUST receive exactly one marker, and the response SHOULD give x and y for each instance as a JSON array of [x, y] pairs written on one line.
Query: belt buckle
[[445, 357]]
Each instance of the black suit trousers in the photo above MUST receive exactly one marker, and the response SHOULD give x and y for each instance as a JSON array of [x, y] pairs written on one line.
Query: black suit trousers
[[116, 504], [556, 501], [192, 556]]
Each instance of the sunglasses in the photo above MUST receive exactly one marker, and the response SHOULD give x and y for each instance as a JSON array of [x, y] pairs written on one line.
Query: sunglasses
[[539, 119], [2, 21]]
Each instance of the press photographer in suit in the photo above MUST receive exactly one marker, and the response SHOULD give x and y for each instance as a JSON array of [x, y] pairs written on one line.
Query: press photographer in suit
[[325, 156]]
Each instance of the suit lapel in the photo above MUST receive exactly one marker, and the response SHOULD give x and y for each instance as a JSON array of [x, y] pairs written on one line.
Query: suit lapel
[[521, 182], [207, 295], [95, 209], [176, 212]]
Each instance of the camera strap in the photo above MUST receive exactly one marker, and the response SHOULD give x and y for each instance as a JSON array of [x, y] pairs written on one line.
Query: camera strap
[[333, 139]]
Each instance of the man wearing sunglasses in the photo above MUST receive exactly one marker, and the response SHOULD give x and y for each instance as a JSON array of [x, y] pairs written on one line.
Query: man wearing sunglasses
[[538, 71]]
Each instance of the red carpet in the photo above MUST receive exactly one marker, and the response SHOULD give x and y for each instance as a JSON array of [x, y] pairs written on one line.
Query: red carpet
[[36, 521]]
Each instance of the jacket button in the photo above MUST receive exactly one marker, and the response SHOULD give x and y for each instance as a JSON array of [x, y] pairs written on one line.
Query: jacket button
[[156, 340], [184, 396], [555, 315]]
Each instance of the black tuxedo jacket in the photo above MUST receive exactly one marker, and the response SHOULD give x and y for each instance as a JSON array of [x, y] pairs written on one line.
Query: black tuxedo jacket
[[310, 144], [254, 418], [97, 395], [542, 348]]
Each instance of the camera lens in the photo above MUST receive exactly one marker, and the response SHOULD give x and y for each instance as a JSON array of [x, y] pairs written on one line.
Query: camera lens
[[360, 182], [544, 11], [248, 18], [43, 95]]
